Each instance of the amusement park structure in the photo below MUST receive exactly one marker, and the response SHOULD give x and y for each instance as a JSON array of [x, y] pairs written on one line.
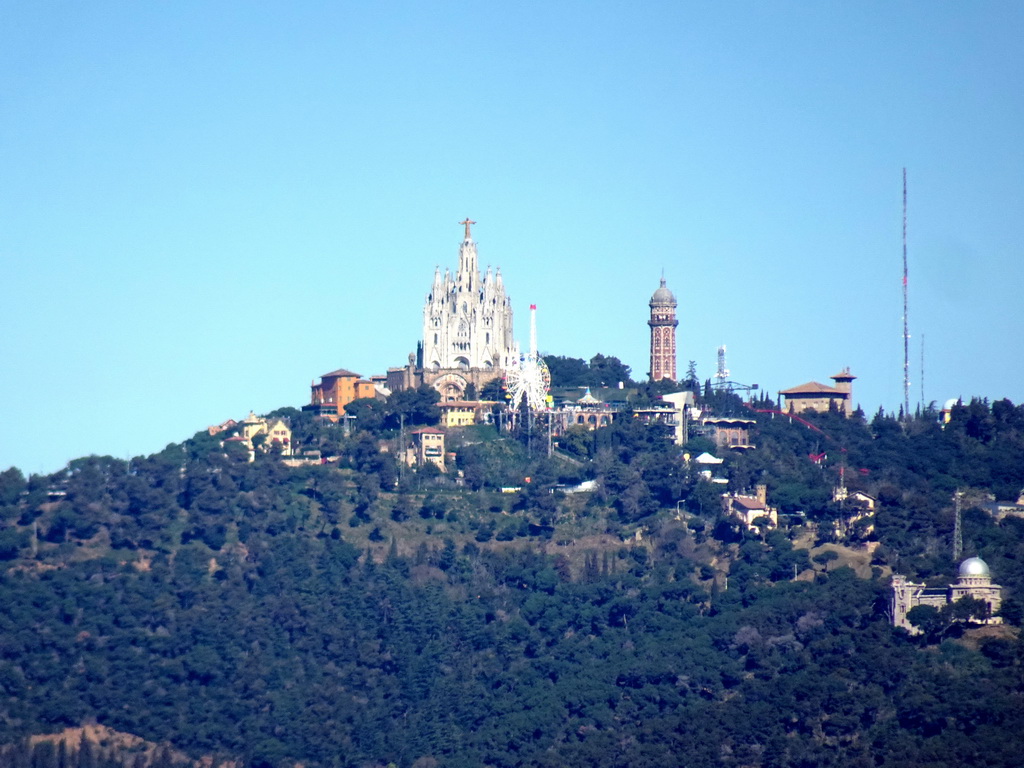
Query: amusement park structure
[[527, 380]]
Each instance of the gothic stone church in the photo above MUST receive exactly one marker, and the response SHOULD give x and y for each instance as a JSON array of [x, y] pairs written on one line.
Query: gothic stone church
[[467, 330]]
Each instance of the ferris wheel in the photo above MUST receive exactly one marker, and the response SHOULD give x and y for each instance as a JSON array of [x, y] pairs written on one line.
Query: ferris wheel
[[527, 379]]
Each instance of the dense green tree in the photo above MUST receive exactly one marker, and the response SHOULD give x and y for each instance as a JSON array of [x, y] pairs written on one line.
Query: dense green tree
[[217, 605], [608, 371], [493, 390], [567, 371], [418, 407], [367, 413]]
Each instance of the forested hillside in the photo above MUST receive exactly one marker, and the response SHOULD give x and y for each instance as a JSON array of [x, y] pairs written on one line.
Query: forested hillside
[[355, 613]]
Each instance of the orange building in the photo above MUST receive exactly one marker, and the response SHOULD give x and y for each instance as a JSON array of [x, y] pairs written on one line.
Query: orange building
[[336, 390]]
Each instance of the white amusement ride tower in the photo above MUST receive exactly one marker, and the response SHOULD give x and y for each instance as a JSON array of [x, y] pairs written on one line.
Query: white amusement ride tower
[[527, 379]]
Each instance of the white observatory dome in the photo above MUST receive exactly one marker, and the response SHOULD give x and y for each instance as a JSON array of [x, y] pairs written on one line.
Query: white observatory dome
[[974, 566]]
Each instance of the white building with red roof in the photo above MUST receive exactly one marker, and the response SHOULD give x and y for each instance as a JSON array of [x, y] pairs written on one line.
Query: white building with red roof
[[750, 508]]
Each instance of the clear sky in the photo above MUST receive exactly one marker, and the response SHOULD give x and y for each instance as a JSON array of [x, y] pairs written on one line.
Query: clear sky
[[206, 205]]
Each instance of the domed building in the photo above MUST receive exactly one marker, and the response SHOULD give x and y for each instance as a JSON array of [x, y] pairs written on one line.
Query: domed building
[[663, 333], [974, 580]]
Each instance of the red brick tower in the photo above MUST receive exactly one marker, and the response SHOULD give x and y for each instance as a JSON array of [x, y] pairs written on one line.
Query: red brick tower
[[663, 334]]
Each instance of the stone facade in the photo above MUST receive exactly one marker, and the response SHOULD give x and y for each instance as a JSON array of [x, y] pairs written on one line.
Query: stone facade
[[663, 334], [814, 396], [974, 580], [467, 330], [731, 433]]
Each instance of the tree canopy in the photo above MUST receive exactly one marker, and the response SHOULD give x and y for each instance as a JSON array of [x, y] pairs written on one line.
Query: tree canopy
[[357, 613]]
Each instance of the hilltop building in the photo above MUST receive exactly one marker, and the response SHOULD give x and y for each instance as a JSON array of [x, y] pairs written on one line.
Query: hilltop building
[[586, 411], [336, 390], [276, 434], [465, 413], [663, 334], [427, 448], [216, 429], [855, 506], [467, 330], [670, 412], [729, 432], [750, 508], [946, 414], [974, 580], [277, 431], [814, 396]]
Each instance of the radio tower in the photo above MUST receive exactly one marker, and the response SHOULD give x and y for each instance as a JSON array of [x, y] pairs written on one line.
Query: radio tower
[[958, 531], [921, 388], [722, 374], [906, 331]]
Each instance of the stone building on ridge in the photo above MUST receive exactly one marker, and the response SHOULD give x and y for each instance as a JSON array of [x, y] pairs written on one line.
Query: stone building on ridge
[[974, 580], [467, 330], [814, 396]]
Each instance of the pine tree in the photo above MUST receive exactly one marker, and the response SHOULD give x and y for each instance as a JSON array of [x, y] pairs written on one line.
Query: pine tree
[[86, 758]]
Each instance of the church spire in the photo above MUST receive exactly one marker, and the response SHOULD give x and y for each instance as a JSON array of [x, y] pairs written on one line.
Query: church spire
[[467, 324], [468, 276]]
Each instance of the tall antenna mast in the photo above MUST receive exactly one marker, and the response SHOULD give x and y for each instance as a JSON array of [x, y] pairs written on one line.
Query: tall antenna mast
[[533, 330], [958, 531], [906, 331], [923, 403], [722, 374]]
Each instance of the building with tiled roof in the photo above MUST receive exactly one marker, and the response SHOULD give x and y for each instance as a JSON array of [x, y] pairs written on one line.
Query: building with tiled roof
[[336, 390], [750, 508], [464, 413], [276, 435], [815, 396]]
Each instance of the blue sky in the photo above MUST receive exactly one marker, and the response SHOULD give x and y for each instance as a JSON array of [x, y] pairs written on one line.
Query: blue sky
[[206, 205]]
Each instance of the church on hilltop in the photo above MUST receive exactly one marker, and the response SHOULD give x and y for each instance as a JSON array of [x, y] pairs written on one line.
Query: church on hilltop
[[467, 330]]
